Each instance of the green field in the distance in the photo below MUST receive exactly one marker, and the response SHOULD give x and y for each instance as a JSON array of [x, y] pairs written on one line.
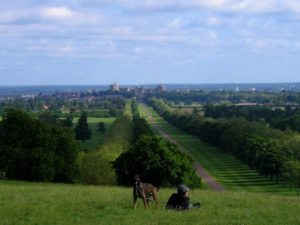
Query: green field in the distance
[[97, 137]]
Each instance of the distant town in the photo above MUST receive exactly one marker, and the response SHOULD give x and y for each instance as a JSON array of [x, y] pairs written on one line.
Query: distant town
[[72, 91]]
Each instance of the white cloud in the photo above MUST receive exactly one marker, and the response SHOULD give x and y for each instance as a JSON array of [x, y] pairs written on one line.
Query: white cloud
[[57, 13], [175, 23], [89, 30], [293, 5]]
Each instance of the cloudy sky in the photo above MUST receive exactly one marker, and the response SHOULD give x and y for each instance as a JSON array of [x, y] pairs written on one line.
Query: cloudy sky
[[149, 41]]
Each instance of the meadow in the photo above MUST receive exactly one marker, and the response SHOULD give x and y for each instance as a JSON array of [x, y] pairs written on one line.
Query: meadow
[[25, 203], [97, 137], [225, 168]]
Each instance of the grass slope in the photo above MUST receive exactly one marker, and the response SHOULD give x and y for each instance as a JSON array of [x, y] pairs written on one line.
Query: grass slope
[[232, 173], [97, 137], [58, 204]]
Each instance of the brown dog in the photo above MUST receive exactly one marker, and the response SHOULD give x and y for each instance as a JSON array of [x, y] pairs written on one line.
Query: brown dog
[[144, 191]]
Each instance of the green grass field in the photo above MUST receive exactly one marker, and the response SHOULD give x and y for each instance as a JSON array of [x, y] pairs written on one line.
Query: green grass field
[[224, 167], [58, 204], [97, 137]]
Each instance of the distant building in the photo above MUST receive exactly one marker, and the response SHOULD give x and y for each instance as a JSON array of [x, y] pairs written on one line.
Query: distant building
[[126, 89], [139, 91], [45, 107], [160, 89], [114, 87], [27, 97]]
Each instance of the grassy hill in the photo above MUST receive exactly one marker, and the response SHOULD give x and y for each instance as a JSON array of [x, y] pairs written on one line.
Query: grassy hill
[[50, 204]]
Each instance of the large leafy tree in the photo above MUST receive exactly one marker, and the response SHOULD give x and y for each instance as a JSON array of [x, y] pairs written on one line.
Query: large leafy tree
[[31, 150], [26, 147], [156, 161]]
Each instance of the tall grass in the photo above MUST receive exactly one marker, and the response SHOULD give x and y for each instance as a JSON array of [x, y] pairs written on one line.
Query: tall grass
[[56, 204]]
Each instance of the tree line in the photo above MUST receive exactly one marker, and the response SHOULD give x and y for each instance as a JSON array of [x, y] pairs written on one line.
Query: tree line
[[271, 152], [214, 96], [287, 118]]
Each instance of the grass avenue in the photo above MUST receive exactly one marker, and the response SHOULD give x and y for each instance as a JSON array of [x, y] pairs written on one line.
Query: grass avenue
[[224, 167]]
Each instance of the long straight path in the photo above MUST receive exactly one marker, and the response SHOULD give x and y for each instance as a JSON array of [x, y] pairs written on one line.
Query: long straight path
[[218, 169], [202, 172]]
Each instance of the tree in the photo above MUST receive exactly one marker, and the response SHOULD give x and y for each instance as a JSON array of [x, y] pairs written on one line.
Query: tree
[[156, 161], [101, 127], [26, 147], [66, 152], [82, 130], [31, 150], [49, 119], [292, 173], [67, 122]]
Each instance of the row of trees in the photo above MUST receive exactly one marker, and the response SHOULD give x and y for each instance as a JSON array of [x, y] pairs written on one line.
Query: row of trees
[[271, 152], [32, 150], [154, 159], [214, 96], [283, 119]]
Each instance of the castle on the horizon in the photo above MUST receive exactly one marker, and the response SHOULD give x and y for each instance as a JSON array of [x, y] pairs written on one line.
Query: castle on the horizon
[[137, 90], [114, 87]]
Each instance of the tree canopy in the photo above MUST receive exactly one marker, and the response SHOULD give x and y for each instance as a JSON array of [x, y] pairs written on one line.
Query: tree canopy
[[31, 150]]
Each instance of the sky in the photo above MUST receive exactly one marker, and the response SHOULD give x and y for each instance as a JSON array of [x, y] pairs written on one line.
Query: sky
[[84, 42]]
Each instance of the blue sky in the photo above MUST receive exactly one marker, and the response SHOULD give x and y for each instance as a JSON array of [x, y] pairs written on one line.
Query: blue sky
[[149, 41]]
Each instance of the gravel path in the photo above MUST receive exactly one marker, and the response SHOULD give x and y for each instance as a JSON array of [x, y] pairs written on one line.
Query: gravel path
[[202, 172]]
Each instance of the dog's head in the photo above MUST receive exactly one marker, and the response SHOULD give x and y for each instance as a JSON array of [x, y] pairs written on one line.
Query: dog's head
[[136, 178]]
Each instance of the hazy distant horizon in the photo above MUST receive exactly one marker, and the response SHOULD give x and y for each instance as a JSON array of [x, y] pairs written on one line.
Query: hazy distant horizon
[[146, 84], [100, 42]]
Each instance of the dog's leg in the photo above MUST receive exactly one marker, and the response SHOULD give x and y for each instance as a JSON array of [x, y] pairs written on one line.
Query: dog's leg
[[145, 201], [154, 194], [134, 202]]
